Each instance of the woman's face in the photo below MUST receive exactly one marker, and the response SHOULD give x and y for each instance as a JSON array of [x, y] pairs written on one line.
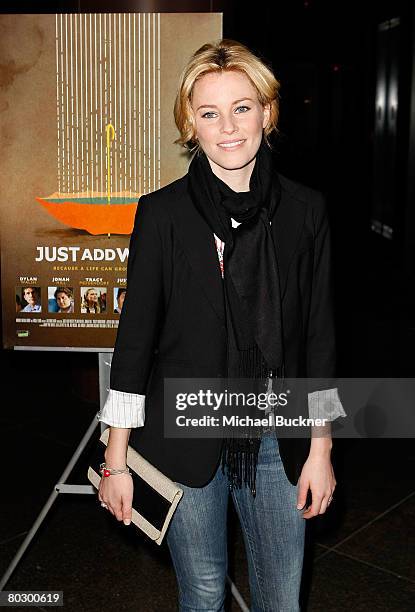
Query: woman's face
[[92, 296], [229, 119]]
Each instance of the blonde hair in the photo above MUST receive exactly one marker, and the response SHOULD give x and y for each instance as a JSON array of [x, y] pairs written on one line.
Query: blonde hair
[[85, 301], [226, 55]]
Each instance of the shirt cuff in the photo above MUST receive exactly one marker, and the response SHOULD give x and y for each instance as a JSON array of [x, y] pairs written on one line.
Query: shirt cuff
[[122, 409], [325, 405]]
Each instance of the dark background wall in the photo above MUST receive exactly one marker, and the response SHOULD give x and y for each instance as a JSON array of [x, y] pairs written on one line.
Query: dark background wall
[[326, 54]]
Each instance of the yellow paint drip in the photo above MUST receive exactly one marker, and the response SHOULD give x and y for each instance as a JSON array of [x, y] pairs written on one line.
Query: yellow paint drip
[[110, 137]]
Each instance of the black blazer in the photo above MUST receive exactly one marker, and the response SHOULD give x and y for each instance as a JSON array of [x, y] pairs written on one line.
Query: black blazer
[[173, 324]]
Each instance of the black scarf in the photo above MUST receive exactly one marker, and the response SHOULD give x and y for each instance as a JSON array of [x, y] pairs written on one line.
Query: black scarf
[[251, 284]]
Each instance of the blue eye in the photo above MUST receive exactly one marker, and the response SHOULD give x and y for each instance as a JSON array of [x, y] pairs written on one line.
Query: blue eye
[[238, 109]]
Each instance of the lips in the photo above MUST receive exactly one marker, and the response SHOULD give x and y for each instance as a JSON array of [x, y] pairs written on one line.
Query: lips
[[231, 144]]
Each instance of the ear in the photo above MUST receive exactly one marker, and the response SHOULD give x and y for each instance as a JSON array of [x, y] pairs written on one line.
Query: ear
[[267, 114]]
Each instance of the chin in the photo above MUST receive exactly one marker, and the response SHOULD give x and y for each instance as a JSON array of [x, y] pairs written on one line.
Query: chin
[[234, 164], [234, 160]]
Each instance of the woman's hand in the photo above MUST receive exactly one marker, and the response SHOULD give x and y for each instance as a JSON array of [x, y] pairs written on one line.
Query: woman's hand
[[116, 492], [318, 476]]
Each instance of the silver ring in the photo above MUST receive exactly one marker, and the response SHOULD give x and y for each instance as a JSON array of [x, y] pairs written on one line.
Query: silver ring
[[104, 505]]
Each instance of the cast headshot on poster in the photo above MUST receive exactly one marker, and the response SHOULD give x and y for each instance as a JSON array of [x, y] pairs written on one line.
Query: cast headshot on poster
[[61, 300], [93, 300], [30, 299], [119, 297]]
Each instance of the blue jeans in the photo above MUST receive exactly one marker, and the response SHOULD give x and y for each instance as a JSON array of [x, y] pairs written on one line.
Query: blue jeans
[[273, 531]]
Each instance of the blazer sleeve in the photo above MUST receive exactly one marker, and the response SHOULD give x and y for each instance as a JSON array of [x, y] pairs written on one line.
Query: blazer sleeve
[[321, 346], [142, 313]]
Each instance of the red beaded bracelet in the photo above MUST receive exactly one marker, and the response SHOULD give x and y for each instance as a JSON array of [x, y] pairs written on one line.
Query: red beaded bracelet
[[111, 471]]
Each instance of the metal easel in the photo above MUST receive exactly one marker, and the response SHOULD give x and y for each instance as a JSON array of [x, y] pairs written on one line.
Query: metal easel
[[104, 365], [104, 362]]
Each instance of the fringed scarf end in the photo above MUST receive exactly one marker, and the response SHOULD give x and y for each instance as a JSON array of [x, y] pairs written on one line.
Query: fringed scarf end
[[240, 465]]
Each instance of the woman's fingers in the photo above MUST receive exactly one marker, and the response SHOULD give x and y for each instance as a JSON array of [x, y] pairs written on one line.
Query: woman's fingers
[[127, 514], [303, 487], [324, 505], [118, 512], [319, 505], [127, 502], [314, 509], [123, 512], [327, 499], [320, 501]]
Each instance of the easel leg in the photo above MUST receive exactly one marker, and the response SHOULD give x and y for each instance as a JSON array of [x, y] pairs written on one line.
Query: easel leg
[[49, 503], [104, 362]]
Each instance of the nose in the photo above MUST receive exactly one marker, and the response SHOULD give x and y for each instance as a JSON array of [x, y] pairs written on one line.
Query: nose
[[228, 124]]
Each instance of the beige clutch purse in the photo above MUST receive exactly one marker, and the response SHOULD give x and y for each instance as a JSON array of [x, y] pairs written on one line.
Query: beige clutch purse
[[155, 496]]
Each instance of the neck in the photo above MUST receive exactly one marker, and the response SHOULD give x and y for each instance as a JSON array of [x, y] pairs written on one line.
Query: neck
[[237, 179]]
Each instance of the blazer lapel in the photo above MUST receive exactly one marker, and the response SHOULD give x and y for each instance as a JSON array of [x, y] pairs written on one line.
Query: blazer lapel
[[199, 245], [287, 225]]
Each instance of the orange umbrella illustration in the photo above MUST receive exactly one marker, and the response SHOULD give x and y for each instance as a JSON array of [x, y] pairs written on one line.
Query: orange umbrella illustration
[[95, 214]]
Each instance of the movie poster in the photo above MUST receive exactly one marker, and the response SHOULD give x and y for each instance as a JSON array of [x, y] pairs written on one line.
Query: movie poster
[[87, 126]]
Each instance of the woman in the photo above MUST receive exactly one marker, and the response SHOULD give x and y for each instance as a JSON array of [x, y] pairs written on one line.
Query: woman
[[228, 275], [91, 302]]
